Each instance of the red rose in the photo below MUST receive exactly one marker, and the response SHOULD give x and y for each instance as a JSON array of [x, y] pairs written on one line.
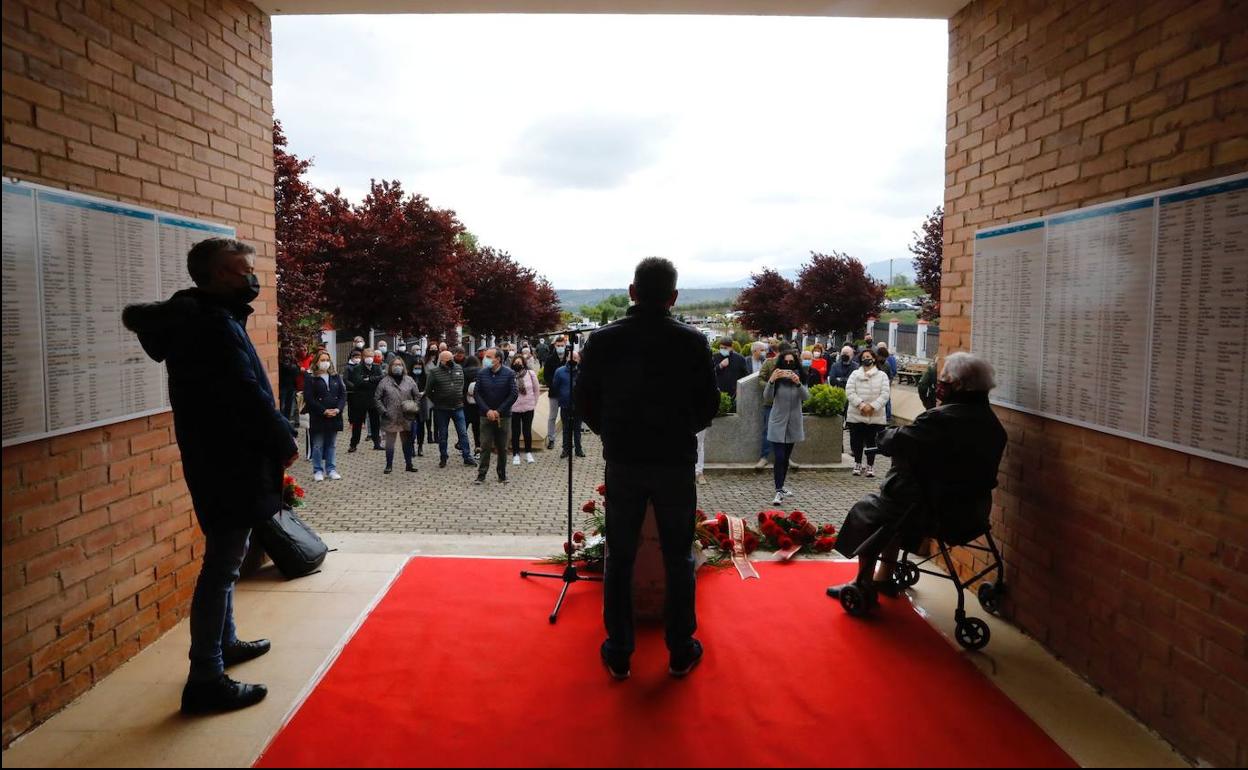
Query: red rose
[[722, 518], [825, 544], [786, 543], [579, 537], [602, 489], [588, 507], [828, 529], [751, 543], [725, 544], [288, 480], [798, 516], [762, 517], [298, 491]]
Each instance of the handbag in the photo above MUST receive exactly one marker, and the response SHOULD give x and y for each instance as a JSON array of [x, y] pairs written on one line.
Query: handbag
[[411, 408], [292, 545]]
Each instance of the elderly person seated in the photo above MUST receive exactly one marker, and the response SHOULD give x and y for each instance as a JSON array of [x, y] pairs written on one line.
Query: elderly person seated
[[940, 484]]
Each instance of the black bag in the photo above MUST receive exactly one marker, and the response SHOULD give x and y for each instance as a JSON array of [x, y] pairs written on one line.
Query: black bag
[[291, 544]]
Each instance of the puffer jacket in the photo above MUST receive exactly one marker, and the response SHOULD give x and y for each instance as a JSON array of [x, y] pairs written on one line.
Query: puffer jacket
[[526, 401], [867, 388]]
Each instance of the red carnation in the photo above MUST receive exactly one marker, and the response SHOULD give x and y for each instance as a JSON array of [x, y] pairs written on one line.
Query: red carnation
[[579, 537], [588, 507], [828, 529], [824, 544], [786, 543], [751, 543], [288, 480], [298, 491], [722, 518], [602, 489]]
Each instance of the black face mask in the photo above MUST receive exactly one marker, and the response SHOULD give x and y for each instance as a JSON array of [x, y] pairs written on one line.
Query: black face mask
[[844, 359], [247, 294]]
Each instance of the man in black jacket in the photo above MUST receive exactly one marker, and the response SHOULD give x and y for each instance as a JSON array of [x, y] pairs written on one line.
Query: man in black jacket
[[234, 442], [362, 382], [557, 357], [730, 366], [648, 410]]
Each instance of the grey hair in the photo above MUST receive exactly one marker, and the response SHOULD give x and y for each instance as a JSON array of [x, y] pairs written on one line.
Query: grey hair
[[848, 349], [758, 346], [969, 372]]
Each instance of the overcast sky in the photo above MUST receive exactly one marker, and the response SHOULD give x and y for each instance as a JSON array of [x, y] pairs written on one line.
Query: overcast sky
[[581, 144]]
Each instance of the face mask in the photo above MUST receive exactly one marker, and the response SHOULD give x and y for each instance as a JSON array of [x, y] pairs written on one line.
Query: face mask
[[488, 362], [402, 348], [247, 294], [559, 349], [867, 363], [818, 355], [448, 364], [359, 346], [382, 350], [845, 359], [418, 370], [354, 362], [806, 362], [397, 371], [323, 366], [725, 351]]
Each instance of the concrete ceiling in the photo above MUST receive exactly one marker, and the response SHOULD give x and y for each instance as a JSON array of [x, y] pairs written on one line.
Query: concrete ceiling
[[899, 9]]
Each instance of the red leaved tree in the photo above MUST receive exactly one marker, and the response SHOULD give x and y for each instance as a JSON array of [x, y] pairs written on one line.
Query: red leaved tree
[[928, 249], [501, 298], [399, 263], [303, 234], [834, 294], [764, 304]]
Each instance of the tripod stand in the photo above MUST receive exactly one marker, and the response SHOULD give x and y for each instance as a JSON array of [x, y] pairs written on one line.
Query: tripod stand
[[570, 574]]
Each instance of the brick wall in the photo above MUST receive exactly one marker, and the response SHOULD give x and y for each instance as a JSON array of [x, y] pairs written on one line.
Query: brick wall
[[166, 104], [1127, 560]]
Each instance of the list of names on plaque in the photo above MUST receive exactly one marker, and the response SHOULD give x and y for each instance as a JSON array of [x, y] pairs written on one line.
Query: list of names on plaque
[[1007, 303], [24, 407], [1200, 320]]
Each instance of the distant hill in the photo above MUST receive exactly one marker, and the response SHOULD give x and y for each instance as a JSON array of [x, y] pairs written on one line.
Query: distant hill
[[901, 266], [573, 299]]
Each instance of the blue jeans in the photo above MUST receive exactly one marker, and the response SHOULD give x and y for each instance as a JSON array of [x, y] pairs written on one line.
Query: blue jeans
[[766, 450], [212, 606], [441, 424], [675, 497], [323, 445]]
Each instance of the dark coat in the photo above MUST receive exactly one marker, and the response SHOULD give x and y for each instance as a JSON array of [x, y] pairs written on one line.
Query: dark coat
[[362, 384], [944, 470], [551, 363], [497, 391], [234, 442], [648, 409], [810, 376], [319, 396], [726, 376], [446, 386], [838, 373]]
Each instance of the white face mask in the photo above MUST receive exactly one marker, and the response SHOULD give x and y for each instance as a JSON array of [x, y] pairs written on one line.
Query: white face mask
[[382, 350], [397, 371], [355, 361], [559, 349], [323, 366], [402, 348]]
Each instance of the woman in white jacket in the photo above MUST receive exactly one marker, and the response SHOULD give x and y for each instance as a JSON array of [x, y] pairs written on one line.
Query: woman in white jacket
[[867, 390]]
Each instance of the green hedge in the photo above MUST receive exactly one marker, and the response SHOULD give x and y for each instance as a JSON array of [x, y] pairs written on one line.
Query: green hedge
[[825, 401]]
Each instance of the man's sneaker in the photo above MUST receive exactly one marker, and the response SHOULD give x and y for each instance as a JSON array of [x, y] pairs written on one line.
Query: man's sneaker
[[529, 458], [241, 652], [388, 470], [579, 453], [351, 449], [701, 478], [682, 664], [857, 469], [565, 454], [794, 466], [870, 471], [335, 475], [786, 491], [318, 476], [779, 499], [515, 459], [618, 669], [222, 694], [503, 480], [762, 463], [478, 481], [470, 462]]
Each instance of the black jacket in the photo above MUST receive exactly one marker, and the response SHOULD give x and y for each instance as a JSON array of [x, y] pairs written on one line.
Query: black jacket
[[446, 386], [319, 396], [726, 376], [948, 459], [234, 441], [838, 373], [362, 387], [551, 364], [647, 408], [496, 391]]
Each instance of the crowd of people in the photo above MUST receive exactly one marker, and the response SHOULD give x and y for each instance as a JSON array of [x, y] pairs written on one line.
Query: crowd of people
[[228, 426]]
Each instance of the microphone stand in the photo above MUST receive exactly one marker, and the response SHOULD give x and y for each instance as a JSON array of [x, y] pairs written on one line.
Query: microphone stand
[[570, 574]]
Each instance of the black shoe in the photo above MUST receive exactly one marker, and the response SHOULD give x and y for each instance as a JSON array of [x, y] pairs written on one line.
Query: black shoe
[[378, 448], [420, 451], [241, 652], [470, 462], [870, 596], [479, 480], [442, 463], [410, 469], [351, 449], [503, 480], [579, 453], [550, 444], [388, 470], [222, 694], [617, 668], [682, 664], [564, 454]]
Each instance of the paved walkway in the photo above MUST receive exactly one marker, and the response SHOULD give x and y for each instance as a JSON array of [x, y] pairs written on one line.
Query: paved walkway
[[444, 501]]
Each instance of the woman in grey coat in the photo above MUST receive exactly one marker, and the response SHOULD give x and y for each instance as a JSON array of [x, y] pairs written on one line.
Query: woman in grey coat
[[393, 390], [785, 427]]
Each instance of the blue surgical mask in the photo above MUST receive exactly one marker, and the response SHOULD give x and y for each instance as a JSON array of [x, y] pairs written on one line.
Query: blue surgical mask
[[725, 351], [806, 363], [488, 362]]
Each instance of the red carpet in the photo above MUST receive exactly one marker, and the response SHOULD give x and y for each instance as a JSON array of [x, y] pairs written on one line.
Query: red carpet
[[458, 666]]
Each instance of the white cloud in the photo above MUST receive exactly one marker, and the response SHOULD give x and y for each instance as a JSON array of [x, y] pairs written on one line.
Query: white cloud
[[582, 143]]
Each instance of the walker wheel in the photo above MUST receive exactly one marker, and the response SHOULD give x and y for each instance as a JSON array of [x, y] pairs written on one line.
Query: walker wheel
[[972, 633], [906, 574], [854, 601], [989, 596]]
